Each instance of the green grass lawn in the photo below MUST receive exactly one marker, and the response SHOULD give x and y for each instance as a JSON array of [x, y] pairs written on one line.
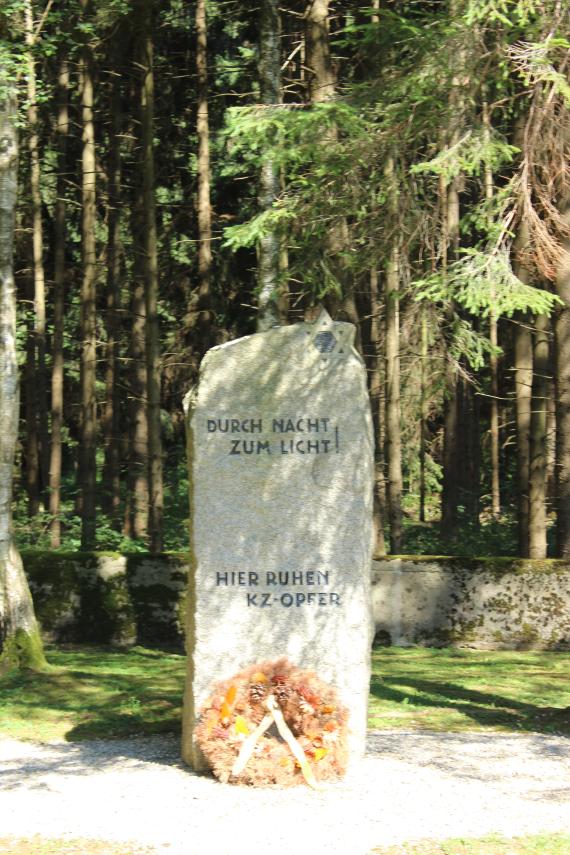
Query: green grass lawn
[[458, 690], [92, 692]]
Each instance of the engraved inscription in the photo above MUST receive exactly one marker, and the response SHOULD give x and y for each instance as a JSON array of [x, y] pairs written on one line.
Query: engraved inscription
[[280, 579], [303, 435]]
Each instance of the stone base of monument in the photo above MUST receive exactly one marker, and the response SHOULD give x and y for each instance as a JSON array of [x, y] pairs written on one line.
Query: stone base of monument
[[274, 723]]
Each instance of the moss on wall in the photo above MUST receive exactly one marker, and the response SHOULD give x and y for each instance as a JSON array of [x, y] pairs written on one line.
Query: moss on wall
[[108, 598]]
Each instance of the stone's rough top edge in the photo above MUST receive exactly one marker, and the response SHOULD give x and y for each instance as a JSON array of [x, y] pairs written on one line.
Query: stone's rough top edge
[[290, 329]]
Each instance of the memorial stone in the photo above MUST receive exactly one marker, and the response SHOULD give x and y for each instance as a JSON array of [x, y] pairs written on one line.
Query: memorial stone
[[281, 470]]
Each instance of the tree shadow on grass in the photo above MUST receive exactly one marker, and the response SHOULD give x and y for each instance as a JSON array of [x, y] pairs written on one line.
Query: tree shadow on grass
[[106, 701], [486, 709]]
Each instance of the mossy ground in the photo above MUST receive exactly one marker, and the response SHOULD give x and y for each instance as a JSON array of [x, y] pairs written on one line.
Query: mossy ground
[[461, 690], [542, 844]]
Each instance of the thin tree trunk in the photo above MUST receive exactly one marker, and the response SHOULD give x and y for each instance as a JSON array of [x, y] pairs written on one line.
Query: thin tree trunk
[[20, 642], [111, 487], [32, 443], [562, 363], [57, 376], [136, 522], [551, 436], [493, 360], [537, 471], [373, 356], [270, 91], [468, 451], [40, 397], [87, 456], [156, 491], [393, 409], [495, 436], [375, 384], [523, 396], [322, 83], [450, 493], [423, 413], [205, 315]]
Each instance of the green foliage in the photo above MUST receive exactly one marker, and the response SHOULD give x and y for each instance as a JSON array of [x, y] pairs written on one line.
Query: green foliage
[[535, 62], [475, 150], [490, 537], [482, 281]]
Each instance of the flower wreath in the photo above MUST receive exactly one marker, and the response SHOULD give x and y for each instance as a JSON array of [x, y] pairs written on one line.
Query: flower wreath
[[273, 723]]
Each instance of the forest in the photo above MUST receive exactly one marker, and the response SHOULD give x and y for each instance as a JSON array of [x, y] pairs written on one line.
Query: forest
[[191, 171]]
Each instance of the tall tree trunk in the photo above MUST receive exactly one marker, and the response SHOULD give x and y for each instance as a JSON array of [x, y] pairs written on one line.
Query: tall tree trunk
[[379, 513], [373, 356], [136, 521], [270, 91], [423, 413], [156, 491], [523, 397], [20, 642], [57, 375], [321, 76], [495, 436], [393, 409], [322, 82], [450, 492], [111, 487], [40, 397], [562, 365], [537, 471], [87, 456], [205, 315], [494, 340], [468, 451], [32, 442]]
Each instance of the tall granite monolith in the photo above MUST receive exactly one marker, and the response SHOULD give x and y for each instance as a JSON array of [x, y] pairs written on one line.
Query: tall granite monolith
[[281, 470]]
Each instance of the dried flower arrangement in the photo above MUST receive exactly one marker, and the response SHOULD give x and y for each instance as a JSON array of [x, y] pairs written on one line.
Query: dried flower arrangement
[[274, 723]]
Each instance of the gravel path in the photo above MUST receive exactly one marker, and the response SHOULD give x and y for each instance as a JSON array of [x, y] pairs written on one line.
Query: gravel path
[[410, 786]]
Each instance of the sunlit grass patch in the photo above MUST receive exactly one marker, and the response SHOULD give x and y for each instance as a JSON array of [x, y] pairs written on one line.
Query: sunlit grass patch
[[62, 846], [541, 844], [91, 692], [94, 692], [458, 690]]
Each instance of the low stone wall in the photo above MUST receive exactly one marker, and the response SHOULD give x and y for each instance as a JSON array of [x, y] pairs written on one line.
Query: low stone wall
[[482, 603], [109, 599]]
